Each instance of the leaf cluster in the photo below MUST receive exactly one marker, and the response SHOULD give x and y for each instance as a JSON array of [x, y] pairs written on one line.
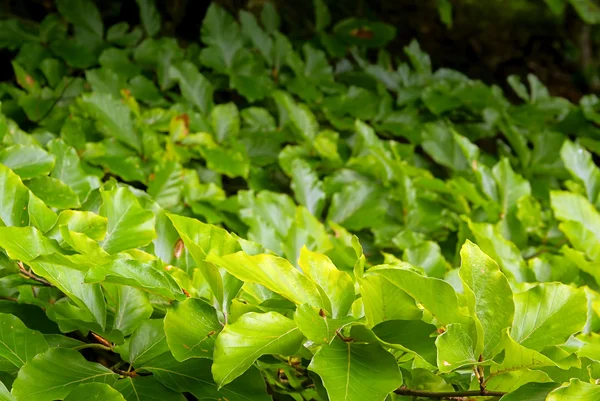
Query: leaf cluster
[[248, 218]]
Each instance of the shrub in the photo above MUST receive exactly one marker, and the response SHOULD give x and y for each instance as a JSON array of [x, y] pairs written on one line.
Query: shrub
[[246, 218]]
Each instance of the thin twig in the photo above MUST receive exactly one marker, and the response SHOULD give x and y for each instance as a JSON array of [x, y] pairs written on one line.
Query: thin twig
[[448, 395], [125, 372], [32, 276], [58, 99]]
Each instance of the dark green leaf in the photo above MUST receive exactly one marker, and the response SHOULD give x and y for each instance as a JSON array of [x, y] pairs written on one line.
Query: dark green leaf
[[149, 16], [55, 373]]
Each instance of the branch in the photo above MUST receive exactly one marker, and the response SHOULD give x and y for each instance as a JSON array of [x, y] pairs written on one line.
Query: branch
[[449, 395], [32, 276]]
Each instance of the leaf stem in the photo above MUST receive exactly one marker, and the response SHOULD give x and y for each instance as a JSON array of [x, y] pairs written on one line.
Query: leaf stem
[[32, 276], [448, 395], [93, 345]]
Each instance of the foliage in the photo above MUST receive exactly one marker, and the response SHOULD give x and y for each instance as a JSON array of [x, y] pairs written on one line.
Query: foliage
[[248, 218]]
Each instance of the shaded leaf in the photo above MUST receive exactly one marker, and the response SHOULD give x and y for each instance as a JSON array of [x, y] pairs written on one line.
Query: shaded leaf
[[149, 16], [146, 388], [194, 376], [55, 373]]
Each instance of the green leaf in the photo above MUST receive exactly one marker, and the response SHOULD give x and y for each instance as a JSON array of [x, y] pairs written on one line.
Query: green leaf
[[88, 223], [548, 314], [428, 256], [409, 335], [307, 188], [137, 274], [40, 215], [66, 275], [55, 373], [5, 395], [249, 76], [191, 328], [13, 199], [581, 166], [27, 161], [19, 344], [26, 243], [259, 38], [146, 388], [511, 188], [83, 14], [302, 119], [581, 226], [492, 242], [166, 185], [358, 205], [517, 357], [233, 162], [250, 337], [488, 295], [147, 342], [317, 328], [448, 148], [194, 86], [129, 225], [94, 392], [576, 389], [435, 296], [336, 285], [269, 17], [322, 16], [201, 239], [354, 372], [54, 192], [13, 34], [131, 307], [222, 36], [445, 11], [194, 376], [531, 392], [113, 117], [385, 301], [274, 273], [588, 11], [456, 348], [150, 16], [225, 120], [69, 169], [118, 60]]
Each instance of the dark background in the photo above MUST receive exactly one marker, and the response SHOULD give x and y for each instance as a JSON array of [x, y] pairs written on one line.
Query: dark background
[[489, 39]]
